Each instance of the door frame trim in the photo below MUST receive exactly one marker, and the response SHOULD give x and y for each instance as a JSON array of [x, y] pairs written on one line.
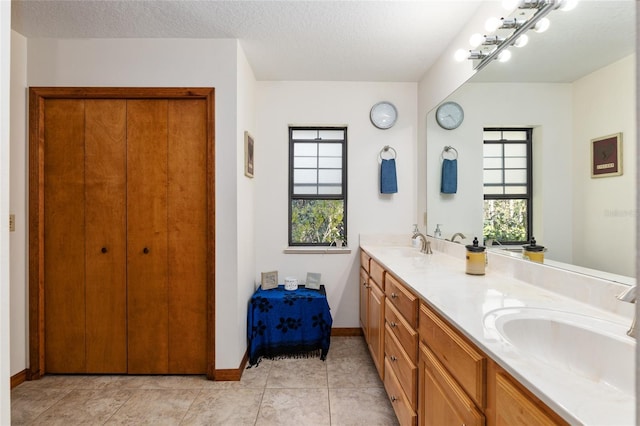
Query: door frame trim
[[37, 284]]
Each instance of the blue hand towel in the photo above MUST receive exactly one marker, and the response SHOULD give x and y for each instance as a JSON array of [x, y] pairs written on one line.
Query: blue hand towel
[[388, 179], [449, 184]]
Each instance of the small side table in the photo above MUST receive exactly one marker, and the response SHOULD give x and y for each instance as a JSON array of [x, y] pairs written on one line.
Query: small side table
[[288, 323]]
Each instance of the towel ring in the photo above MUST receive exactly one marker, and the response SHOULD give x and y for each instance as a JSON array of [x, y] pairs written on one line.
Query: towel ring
[[447, 150], [386, 149]]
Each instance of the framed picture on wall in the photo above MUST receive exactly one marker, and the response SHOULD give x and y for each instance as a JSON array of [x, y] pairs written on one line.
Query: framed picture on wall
[[248, 154], [606, 156]]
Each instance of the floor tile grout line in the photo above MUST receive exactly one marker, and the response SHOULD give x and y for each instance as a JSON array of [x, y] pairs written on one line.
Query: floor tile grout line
[[191, 405], [131, 393]]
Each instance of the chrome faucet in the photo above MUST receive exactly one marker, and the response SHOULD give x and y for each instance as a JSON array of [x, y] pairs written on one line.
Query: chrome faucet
[[457, 234], [629, 295], [426, 245]]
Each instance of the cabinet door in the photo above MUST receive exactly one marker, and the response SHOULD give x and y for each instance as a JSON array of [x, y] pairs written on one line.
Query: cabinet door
[[105, 221], [442, 400], [147, 295], [514, 407], [364, 300], [64, 236], [187, 236], [376, 326]]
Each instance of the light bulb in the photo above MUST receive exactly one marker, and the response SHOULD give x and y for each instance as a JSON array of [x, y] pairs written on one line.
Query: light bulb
[[567, 5], [542, 25], [504, 56], [461, 55], [476, 40], [492, 24], [521, 41]]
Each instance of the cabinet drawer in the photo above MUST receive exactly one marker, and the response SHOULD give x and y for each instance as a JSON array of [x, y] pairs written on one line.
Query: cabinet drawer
[[405, 370], [407, 336], [364, 260], [463, 361], [405, 414], [403, 299], [376, 272], [443, 401]]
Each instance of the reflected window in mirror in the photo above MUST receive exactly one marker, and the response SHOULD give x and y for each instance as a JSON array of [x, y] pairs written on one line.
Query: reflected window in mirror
[[507, 175]]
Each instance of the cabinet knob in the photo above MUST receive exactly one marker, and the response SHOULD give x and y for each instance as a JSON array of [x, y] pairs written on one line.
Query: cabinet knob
[[394, 295], [145, 250], [393, 398], [104, 250], [393, 358], [392, 324]]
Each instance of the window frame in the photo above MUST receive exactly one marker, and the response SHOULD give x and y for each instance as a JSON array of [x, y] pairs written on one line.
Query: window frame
[[292, 196], [529, 184]]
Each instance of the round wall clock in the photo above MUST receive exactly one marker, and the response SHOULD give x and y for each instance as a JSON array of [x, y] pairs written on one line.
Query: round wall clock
[[383, 115], [449, 115]]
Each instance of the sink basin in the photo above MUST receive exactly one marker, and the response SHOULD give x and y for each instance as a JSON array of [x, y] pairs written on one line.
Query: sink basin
[[403, 251], [594, 348]]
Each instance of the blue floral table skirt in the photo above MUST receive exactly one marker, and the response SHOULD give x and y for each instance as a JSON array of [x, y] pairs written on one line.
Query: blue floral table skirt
[[288, 323]]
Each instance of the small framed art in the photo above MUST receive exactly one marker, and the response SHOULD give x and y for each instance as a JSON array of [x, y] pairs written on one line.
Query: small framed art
[[606, 156], [313, 281], [269, 280], [248, 155]]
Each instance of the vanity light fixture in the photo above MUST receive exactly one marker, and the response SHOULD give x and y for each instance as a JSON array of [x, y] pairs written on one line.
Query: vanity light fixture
[[529, 15]]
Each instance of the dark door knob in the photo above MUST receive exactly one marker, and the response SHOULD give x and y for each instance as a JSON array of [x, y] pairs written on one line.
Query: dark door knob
[[104, 250], [145, 250]]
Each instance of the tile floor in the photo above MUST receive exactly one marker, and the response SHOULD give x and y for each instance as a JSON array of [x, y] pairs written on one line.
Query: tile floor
[[344, 390]]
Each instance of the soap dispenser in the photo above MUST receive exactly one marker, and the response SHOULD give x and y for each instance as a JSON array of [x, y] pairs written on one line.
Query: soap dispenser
[[438, 232], [476, 258], [533, 252]]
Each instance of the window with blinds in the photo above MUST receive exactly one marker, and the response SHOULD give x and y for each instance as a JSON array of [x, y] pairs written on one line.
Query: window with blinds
[[317, 185], [507, 176]]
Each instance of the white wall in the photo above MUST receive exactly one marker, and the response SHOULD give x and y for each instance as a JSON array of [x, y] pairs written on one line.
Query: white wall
[[280, 104], [604, 209], [160, 62], [246, 210], [509, 105], [18, 204], [5, 68]]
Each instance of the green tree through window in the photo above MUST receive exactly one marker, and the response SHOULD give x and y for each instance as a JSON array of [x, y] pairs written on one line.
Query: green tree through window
[[507, 184]]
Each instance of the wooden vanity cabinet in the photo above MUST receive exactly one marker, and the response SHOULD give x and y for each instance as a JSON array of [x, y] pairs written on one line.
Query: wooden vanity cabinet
[[433, 374], [401, 349], [372, 308], [364, 291]]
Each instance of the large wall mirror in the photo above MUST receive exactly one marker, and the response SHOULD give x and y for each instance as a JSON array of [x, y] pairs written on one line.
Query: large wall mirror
[[571, 85]]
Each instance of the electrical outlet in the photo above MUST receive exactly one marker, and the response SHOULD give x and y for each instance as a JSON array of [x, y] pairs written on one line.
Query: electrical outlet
[[12, 223]]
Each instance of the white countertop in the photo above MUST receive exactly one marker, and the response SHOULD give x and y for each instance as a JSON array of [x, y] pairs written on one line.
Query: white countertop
[[464, 300]]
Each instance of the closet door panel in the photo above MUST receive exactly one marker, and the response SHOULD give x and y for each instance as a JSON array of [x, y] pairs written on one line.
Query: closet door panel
[[147, 236], [106, 271], [64, 235], [187, 243]]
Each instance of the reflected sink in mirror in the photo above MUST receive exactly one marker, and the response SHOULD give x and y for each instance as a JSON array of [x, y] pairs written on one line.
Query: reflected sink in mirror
[[594, 348]]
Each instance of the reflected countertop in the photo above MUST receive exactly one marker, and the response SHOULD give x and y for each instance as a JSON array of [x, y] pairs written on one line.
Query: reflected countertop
[[465, 300]]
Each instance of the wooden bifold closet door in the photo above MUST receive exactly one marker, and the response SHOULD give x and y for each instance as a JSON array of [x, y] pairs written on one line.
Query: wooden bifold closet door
[[124, 235]]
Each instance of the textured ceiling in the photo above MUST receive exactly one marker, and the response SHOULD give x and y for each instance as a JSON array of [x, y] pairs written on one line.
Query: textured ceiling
[[389, 40], [348, 40]]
